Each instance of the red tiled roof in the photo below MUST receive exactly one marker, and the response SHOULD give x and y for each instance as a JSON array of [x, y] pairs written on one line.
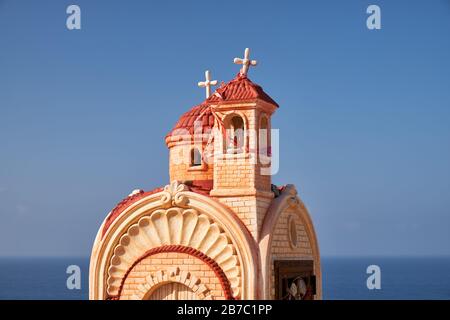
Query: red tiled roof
[[240, 88], [125, 203], [200, 186]]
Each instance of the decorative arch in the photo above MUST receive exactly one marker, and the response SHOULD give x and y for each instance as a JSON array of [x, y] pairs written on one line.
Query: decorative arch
[[174, 274], [228, 124], [288, 198], [175, 207], [174, 230], [153, 291]]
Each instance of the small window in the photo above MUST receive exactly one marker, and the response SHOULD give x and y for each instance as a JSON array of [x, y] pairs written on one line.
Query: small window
[[236, 135], [196, 157]]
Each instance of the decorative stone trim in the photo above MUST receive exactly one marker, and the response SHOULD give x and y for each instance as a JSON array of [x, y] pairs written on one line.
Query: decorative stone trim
[[173, 195], [242, 270], [201, 167], [292, 232], [174, 274], [122, 205], [241, 192], [234, 156], [174, 228], [288, 199]]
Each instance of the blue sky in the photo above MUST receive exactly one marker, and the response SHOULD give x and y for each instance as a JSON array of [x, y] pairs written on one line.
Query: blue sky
[[364, 115]]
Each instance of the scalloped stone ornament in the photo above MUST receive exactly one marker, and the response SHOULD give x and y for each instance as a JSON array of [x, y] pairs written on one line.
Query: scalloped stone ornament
[[174, 226]]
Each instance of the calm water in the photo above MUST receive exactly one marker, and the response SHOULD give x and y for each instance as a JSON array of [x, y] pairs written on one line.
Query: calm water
[[343, 278]]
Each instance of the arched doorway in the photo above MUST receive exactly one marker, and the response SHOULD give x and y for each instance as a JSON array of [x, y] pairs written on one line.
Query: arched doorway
[[172, 291]]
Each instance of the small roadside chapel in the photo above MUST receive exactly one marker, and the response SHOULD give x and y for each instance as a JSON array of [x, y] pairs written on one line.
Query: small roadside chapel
[[219, 229]]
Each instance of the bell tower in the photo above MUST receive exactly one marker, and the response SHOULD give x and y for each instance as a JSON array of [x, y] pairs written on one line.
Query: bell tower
[[242, 147]]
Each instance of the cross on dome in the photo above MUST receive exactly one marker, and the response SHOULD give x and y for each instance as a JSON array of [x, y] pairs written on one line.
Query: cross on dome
[[207, 83], [246, 62]]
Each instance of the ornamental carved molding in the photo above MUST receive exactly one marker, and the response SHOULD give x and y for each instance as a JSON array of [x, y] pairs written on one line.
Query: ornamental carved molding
[[173, 195], [155, 280], [174, 226]]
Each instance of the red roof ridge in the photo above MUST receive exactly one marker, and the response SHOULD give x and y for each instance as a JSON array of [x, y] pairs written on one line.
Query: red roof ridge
[[240, 88], [125, 203]]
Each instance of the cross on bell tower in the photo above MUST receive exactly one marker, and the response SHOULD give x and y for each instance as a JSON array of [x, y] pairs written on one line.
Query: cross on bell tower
[[246, 62], [207, 83]]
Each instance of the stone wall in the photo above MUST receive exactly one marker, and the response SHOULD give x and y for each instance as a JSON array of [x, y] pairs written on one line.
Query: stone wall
[[180, 169], [250, 209], [172, 266], [282, 248]]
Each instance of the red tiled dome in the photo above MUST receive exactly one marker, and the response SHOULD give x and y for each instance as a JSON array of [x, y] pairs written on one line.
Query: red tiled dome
[[197, 113], [240, 88]]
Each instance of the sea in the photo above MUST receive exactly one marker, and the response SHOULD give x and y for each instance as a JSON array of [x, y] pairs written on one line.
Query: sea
[[411, 278]]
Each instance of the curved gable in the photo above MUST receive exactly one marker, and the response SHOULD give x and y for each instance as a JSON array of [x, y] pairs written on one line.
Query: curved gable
[[277, 233], [174, 217]]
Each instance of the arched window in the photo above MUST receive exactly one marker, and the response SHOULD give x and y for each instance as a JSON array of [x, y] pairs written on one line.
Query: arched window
[[196, 158], [264, 141], [236, 135]]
